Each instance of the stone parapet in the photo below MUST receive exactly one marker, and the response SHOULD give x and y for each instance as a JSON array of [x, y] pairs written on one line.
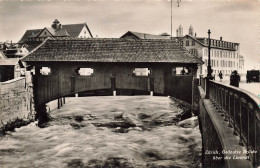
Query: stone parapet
[[16, 101], [220, 147]]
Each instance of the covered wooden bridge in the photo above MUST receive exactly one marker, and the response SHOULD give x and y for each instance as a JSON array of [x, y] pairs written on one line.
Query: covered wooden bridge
[[67, 66]]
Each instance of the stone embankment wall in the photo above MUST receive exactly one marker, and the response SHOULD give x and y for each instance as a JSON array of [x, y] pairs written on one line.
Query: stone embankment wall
[[16, 101]]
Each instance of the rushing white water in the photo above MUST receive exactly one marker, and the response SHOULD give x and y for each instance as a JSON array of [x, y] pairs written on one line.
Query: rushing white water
[[122, 131]]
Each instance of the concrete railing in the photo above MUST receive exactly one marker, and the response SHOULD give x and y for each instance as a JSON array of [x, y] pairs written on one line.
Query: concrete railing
[[241, 111]]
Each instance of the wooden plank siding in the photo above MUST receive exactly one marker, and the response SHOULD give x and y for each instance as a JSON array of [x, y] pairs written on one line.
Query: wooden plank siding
[[179, 87], [133, 82], [83, 83], [65, 81]]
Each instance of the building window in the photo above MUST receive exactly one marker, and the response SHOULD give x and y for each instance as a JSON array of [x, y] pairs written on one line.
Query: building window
[[205, 52], [187, 43], [181, 71], [141, 71], [193, 42], [45, 70], [193, 52], [206, 63], [85, 71]]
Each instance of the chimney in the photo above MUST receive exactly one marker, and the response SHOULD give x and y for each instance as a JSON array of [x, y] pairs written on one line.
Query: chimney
[[195, 34], [56, 24], [220, 38], [59, 26]]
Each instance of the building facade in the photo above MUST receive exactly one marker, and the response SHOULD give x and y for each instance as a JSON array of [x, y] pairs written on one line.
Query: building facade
[[241, 69], [57, 30], [11, 68], [225, 55], [138, 36]]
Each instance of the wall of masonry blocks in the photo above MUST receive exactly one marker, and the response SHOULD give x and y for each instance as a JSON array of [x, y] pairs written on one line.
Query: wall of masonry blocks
[[16, 100]]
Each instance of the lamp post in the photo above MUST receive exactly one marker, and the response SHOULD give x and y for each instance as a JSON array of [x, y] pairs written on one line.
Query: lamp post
[[209, 76], [209, 61], [178, 1]]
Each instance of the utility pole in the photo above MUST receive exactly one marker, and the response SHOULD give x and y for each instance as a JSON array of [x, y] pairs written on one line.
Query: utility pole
[[171, 19]]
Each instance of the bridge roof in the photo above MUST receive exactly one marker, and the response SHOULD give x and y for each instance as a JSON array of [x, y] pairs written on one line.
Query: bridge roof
[[111, 50]]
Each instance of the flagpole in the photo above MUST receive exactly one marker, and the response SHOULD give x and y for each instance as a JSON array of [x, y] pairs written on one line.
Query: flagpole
[[171, 19]]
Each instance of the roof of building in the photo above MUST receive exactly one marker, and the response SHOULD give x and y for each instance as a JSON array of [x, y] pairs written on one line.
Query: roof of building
[[165, 34], [2, 55], [144, 35], [111, 50], [28, 33], [55, 33], [72, 30], [9, 61], [201, 40], [75, 29]]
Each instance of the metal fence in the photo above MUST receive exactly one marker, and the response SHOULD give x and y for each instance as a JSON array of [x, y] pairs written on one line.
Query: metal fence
[[242, 112], [202, 82]]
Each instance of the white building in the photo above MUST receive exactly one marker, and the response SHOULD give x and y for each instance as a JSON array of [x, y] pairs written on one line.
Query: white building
[[224, 54]]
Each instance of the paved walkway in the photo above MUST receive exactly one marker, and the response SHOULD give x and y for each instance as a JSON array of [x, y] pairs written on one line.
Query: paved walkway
[[253, 87]]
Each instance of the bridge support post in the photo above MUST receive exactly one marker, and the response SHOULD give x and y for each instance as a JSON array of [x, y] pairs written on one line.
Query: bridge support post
[[58, 103], [63, 100], [151, 83], [41, 114], [113, 84], [61, 103], [151, 93]]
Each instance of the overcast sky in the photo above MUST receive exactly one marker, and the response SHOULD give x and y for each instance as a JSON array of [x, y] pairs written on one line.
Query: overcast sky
[[234, 20]]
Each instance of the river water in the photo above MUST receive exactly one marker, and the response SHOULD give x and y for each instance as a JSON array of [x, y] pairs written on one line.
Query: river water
[[95, 132]]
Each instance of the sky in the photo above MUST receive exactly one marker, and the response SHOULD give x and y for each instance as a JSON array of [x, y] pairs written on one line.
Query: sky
[[233, 20]]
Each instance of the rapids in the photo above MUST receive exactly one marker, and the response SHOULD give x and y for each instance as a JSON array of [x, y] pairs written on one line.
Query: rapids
[[95, 132]]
